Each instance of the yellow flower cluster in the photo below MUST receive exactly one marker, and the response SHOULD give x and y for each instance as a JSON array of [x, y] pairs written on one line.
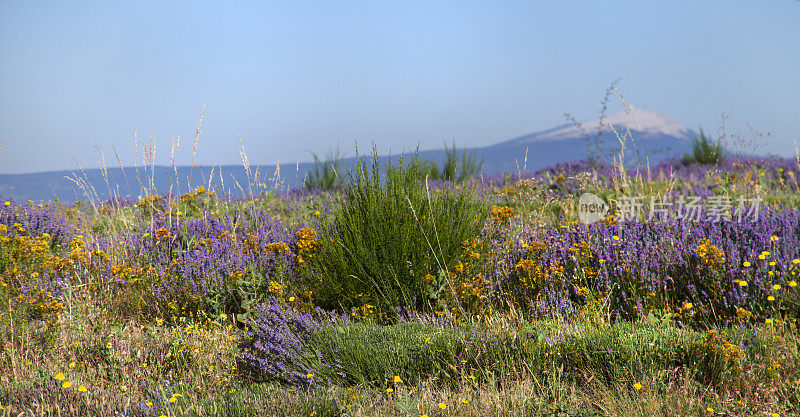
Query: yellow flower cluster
[[532, 274], [250, 244], [472, 287], [710, 256], [500, 213], [743, 315], [307, 244], [364, 312], [731, 355], [24, 261], [277, 247], [275, 288], [582, 249], [163, 233], [77, 250], [525, 266], [200, 191], [535, 248]]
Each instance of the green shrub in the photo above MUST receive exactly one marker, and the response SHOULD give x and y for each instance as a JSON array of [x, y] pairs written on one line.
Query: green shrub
[[325, 174], [388, 232], [704, 151]]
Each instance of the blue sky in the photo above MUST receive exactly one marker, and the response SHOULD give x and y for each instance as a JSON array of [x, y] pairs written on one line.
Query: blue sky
[[288, 77]]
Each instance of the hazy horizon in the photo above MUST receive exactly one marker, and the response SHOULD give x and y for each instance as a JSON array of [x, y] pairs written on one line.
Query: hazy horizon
[[291, 77]]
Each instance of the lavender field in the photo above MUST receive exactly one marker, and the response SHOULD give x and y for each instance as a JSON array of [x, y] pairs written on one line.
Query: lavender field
[[395, 295]]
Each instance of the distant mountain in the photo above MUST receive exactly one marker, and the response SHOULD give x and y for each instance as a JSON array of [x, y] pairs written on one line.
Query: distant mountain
[[652, 137], [648, 137]]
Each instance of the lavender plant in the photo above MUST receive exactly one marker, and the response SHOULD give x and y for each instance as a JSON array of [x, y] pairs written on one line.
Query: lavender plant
[[276, 346]]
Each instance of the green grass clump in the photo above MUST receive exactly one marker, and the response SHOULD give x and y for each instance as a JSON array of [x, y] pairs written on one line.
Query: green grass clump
[[389, 232], [455, 168], [704, 151]]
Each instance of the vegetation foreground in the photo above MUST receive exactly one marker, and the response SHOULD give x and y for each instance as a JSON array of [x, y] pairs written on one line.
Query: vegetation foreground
[[396, 295]]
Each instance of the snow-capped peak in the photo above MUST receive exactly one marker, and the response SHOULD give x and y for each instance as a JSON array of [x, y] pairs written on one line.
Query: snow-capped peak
[[641, 121], [645, 121]]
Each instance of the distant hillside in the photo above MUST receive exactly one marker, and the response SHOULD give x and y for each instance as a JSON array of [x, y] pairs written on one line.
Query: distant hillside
[[655, 137]]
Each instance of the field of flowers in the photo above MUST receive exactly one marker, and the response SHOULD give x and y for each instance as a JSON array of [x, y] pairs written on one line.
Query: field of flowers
[[394, 295]]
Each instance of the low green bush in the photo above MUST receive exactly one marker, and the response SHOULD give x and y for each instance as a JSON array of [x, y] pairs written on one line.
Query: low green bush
[[373, 354]]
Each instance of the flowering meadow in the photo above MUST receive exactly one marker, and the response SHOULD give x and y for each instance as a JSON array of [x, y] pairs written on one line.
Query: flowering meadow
[[395, 295]]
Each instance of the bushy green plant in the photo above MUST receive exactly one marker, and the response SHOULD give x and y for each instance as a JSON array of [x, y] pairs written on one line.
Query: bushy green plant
[[388, 232], [325, 174], [704, 151]]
